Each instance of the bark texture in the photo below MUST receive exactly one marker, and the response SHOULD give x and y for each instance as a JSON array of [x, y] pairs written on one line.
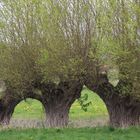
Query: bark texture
[[9, 101], [57, 100], [122, 114], [124, 111], [7, 106]]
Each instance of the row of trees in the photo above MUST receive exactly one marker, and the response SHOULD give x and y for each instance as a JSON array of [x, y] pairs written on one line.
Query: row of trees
[[49, 49]]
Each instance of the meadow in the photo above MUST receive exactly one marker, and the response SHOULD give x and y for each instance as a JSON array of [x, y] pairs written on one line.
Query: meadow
[[103, 133]]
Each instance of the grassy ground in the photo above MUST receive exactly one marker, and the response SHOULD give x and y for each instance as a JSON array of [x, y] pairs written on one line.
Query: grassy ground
[[33, 108], [71, 134]]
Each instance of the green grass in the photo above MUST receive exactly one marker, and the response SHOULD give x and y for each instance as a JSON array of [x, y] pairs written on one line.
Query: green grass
[[71, 134], [29, 109], [96, 109], [33, 108]]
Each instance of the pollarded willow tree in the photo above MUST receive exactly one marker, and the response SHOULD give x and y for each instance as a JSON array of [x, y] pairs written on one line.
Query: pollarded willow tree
[[18, 54], [68, 39], [42, 48], [120, 53]]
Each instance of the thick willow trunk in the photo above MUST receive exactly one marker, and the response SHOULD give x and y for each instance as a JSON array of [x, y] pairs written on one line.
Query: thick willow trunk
[[9, 101], [124, 111], [5, 117], [57, 102], [57, 116], [7, 106]]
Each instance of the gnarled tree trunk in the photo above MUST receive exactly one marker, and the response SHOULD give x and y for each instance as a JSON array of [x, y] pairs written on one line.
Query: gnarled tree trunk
[[57, 100], [57, 114], [124, 111], [9, 101], [7, 106], [122, 115]]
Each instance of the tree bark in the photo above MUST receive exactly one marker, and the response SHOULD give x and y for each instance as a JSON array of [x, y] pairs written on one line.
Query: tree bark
[[7, 106], [122, 115], [57, 116], [124, 111], [9, 101], [57, 100]]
